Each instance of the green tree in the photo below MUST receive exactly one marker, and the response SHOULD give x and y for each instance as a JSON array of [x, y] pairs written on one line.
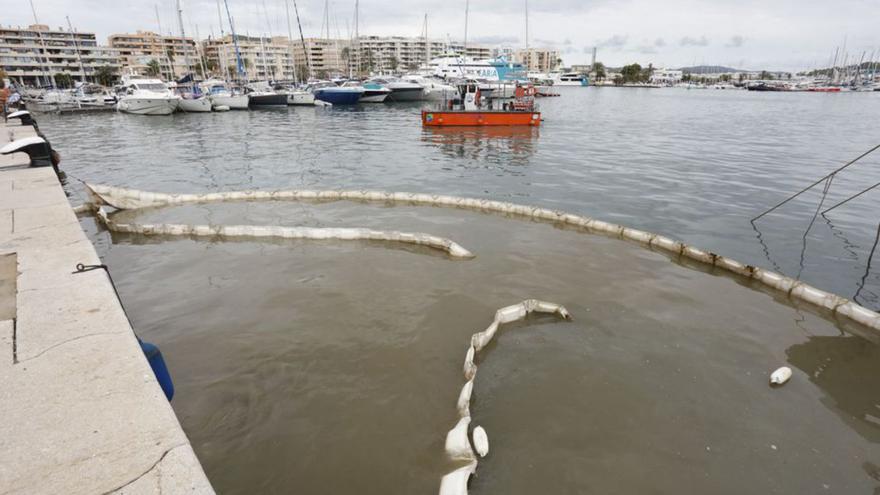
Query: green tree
[[346, 56], [105, 76], [631, 73], [599, 71], [63, 80], [153, 68], [393, 63]]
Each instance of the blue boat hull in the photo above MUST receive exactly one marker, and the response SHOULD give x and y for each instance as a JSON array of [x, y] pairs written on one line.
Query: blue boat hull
[[338, 97]]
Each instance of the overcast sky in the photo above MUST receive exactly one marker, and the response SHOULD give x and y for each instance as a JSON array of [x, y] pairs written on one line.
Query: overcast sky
[[750, 34]]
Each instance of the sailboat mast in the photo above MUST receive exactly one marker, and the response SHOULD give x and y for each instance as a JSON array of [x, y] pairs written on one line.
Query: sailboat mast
[[162, 44], [221, 54], [528, 54], [76, 47], [467, 8], [200, 54], [44, 60], [290, 39], [427, 44], [183, 37], [357, 36], [303, 39], [239, 65]]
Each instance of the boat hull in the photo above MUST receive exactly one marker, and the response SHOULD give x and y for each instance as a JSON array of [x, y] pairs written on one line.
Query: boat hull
[[437, 94], [234, 102], [581, 83], [406, 94], [374, 96], [338, 97], [148, 106], [479, 118], [270, 100], [300, 98], [196, 105]]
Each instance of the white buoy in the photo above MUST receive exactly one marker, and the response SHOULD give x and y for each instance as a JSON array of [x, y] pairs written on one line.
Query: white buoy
[[481, 441], [780, 376]]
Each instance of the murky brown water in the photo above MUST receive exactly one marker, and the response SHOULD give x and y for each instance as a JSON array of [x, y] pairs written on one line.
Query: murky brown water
[[334, 367]]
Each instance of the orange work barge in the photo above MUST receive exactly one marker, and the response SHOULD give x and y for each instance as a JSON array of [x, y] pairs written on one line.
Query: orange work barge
[[520, 112], [478, 118]]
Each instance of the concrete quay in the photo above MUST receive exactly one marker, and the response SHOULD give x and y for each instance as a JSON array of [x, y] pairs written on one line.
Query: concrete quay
[[82, 411]]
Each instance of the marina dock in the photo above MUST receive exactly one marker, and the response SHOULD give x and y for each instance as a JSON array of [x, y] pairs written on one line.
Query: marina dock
[[83, 412]]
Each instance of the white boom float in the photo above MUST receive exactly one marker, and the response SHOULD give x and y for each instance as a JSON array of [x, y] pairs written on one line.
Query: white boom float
[[458, 445], [450, 247], [131, 199]]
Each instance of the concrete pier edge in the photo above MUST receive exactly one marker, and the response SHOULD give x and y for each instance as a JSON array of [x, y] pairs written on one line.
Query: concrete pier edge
[[83, 412]]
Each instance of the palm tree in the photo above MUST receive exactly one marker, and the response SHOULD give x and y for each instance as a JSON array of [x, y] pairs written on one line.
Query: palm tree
[[153, 68]]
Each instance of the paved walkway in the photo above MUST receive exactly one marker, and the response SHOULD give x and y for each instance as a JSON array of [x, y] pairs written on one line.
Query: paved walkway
[[81, 409]]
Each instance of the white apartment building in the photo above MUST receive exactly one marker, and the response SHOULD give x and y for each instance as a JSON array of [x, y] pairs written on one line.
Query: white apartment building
[[387, 54], [264, 59], [175, 55], [538, 59], [33, 55], [666, 76]]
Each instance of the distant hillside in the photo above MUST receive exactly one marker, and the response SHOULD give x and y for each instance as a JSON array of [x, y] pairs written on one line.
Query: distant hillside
[[709, 69]]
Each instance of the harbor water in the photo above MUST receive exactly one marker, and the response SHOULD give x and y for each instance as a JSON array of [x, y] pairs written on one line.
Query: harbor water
[[333, 367]]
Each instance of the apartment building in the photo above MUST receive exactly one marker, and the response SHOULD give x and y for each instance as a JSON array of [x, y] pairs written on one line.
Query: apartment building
[[264, 58], [175, 55], [32, 56], [384, 54], [538, 59]]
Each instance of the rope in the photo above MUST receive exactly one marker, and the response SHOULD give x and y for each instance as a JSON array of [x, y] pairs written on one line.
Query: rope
[[814, 184]]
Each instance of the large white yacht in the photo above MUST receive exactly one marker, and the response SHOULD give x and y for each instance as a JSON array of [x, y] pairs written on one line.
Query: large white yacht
[[145, 96], [451, 65], [569, 79]]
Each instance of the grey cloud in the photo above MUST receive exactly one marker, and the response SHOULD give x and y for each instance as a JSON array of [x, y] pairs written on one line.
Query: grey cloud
[[659, 42], [688, 41], [646, 49], [566, 42], [495, 40], [615, 42], [736, 41]]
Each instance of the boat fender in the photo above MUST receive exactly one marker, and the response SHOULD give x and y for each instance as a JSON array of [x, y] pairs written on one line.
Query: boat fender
[[780, 376], [221, 108], [481, 441], [157, 363]]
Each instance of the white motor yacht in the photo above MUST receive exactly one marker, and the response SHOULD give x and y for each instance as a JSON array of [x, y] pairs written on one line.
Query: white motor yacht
[[401, 90], [144, 96], [435, 89], [221, 95], [570, 79]]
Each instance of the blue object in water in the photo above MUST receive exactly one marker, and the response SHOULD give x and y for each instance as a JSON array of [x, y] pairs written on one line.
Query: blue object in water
[[157, 362]]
